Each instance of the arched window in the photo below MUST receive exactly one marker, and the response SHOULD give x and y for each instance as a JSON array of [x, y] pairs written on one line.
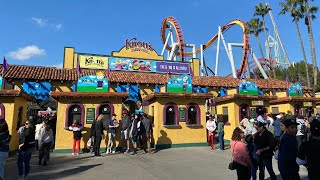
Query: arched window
[[170, 114], [74, 112], [193, 114], [107, 110]]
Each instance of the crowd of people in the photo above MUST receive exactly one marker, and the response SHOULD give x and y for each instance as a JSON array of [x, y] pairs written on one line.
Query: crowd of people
[[291, 140]]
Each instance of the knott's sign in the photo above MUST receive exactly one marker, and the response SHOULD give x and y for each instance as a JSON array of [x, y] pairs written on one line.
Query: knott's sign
[[93, 62], [135, 45]]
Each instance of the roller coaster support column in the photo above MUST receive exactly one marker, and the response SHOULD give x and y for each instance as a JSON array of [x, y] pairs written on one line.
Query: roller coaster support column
[[166, 43], [258, 64], [193, 46], [234, 72], [217, 54], [201, 59], [174, 49]]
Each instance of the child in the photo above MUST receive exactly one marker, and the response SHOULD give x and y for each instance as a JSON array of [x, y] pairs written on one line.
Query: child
[[76, 128], [252, 149]]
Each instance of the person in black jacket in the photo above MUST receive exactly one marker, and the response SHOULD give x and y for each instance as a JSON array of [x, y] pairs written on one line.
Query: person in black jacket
[[97, 132], [265, 145], [133, 133], [26, 145], [4, 145]]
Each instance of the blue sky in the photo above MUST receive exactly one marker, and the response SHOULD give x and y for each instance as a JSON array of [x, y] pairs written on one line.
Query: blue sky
[[35, 32]]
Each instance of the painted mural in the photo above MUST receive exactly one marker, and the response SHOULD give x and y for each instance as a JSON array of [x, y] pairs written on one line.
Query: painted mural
[[39, 90], [248, 88], [181, 84], [1, 82], [148, 66], [93, 83], [295, 90]]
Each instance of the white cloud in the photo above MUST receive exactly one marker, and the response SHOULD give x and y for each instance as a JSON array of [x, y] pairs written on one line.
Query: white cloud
[[27, 52], [40, 22], [58, 27], [59, 66], [45, 23]]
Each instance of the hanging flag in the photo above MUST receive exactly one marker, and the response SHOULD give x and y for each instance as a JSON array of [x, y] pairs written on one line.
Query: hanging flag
[[5, 65], [255, 76], [287, 79], [78, 70]]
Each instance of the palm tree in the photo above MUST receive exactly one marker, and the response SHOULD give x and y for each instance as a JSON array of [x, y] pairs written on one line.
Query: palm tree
[[291, 6], [262, 10], [255, 28], [309, 13]]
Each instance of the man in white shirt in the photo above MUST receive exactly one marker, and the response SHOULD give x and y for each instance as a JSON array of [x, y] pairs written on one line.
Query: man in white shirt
[[39, 125], [302, 130]]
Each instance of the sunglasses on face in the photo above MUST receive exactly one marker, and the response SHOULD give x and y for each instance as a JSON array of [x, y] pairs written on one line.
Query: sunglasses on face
[[26, 123]]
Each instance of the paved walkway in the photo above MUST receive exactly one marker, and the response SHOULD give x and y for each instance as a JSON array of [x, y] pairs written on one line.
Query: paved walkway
[[176, 163]]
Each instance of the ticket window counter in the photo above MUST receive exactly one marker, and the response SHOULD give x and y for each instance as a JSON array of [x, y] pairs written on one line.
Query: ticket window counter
[[105, 110]]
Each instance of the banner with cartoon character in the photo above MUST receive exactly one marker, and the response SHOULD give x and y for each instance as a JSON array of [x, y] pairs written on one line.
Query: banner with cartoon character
[[248, 88], [148, 65], [181, 84], [295, 90], [132, 64], [93, 83]]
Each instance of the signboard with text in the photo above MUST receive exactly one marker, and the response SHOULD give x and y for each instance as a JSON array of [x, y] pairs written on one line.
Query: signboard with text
[[90, 115], [93, 62]]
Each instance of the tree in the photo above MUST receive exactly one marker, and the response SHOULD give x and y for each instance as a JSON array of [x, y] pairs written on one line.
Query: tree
[[262, 10], [309, 13], [291, 6], [255, 28]]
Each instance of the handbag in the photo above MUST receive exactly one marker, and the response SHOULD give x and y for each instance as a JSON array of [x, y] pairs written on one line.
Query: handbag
[[232, 164]]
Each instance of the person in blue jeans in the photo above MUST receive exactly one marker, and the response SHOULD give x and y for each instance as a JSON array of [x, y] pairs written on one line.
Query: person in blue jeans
[[4, 145], [220, 132], [26, 145]]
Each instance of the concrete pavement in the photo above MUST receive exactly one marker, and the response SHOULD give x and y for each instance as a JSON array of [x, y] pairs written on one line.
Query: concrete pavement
[[176, 163]]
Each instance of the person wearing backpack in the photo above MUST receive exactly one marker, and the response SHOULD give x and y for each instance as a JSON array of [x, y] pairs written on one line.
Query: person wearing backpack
[[302, 131], [4, 145]]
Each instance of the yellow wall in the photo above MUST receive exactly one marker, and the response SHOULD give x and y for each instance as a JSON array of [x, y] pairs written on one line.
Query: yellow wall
[[68, 58], [64, 137], [182, 134], [232, 91], [195, 66], [145, 90], [61, 87], [281, 94], [233, 113]]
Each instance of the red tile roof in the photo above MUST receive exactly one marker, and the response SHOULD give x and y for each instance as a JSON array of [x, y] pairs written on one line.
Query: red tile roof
[[239, 96], [51, 74], [287, 99], [16, 93], [178, 95]]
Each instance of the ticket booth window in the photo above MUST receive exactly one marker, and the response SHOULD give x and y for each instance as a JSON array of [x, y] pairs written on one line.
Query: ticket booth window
[[75, 113], [297, 110], [105, 110], [244, 111], [193, 114], [170, 114]]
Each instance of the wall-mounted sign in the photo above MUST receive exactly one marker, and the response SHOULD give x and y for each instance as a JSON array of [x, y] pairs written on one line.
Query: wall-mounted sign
[[93, 62], [248, 88], [182, 114], [257, 103], [125, 64], [90, 115], [307, 104], [135, 45], [181, 84], [39, 90], [295, 90], [93, 83]]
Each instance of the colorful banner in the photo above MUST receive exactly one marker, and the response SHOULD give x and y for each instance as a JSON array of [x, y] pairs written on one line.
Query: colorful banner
[[295, 90], [148, 66], [173, 67], [248, 88], [93, 83], [182, 84], [93, 62], [132, 64], [39, 90]]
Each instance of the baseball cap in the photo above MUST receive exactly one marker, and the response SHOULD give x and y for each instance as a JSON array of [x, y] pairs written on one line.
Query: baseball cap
[[260, 119], [252, 120], [290, 120], [278, 116], [125, 111]]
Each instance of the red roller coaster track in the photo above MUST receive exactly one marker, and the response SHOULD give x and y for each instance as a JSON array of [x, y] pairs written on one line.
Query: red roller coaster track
[[179, 35]]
